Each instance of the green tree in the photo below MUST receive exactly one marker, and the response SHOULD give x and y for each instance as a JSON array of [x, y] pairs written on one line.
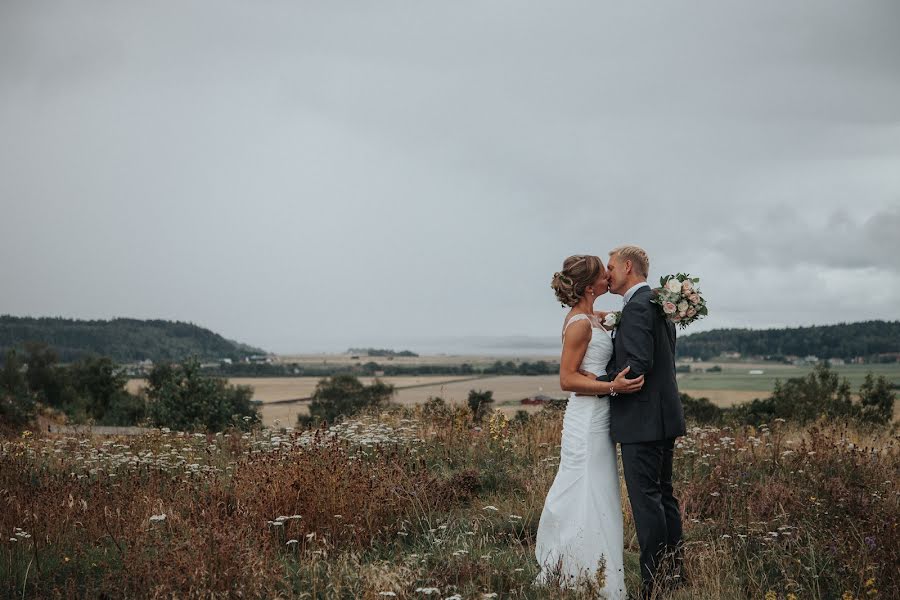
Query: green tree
[[16, 403], [342, 396], [479, 403], [46, 380], [876, 400], [100, 388], [182, 397]]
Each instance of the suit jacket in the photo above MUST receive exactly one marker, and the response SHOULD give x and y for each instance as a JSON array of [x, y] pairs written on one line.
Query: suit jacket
[[645, 340]]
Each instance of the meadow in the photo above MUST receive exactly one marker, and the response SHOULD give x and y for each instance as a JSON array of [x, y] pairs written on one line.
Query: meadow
[[417, 502]]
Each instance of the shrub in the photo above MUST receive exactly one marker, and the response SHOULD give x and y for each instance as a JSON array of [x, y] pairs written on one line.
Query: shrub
[[876, 400], [342, 396], [701, 410], [479, 403]]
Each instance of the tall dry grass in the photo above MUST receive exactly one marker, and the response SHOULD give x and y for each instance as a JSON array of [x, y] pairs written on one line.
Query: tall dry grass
[[418, 504]]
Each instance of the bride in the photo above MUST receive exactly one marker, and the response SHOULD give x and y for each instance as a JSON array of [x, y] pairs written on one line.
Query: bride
[[580, 532]]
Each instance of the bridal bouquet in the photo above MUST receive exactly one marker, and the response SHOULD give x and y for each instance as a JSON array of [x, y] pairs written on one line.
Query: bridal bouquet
[[680, 299]]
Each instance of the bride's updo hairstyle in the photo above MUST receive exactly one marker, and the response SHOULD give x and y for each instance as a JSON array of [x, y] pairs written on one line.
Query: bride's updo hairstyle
[[578, 272]]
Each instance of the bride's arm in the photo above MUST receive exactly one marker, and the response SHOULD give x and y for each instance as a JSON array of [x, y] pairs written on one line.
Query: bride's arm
[[575, 344]]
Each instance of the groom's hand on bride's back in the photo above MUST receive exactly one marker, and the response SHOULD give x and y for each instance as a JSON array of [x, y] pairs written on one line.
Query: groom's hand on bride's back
[[621, 384], [624, 385]]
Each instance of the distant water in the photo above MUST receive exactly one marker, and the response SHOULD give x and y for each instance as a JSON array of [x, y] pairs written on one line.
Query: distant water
[[505, 346], [491, 346]]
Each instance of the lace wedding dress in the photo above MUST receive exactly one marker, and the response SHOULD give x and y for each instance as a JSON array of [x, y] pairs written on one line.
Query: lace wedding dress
[[581, 523]]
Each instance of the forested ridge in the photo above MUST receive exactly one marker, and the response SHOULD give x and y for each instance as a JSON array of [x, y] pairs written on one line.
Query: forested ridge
[[844, 340], [123, 340]]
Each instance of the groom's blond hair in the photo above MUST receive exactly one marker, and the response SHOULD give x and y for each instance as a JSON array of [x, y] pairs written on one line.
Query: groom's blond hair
[[639, 259]]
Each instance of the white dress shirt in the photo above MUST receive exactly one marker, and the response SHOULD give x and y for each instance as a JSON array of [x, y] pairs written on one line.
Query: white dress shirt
[[631, 292]]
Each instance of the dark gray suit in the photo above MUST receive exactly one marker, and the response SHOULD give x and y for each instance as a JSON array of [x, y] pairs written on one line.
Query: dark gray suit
[[646, 424]]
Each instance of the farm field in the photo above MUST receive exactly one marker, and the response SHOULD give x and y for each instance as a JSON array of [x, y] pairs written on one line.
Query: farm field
[[736, 375], [733, 385]]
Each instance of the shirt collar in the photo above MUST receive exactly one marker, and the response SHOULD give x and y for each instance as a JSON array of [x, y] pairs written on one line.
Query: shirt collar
[[633, 289]]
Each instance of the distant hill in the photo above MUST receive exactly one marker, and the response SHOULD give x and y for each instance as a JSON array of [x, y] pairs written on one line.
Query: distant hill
[[124, 340], [845, 340]]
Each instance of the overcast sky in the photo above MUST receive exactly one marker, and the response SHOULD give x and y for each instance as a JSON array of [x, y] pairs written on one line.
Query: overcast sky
[[308, 176]]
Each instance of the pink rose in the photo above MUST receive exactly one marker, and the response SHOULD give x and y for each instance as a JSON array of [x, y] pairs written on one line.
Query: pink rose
[[676, 318], [682, 313], [691, 312], [687, 286], [694, 298], [669, 308]]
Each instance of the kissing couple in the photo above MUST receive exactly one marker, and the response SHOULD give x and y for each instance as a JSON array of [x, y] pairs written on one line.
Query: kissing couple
[[623, 391]]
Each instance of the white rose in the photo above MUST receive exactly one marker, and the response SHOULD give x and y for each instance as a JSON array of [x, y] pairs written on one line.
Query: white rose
[[610, 320], [682, 314], [683, 306], [673, 285], [687, 286]]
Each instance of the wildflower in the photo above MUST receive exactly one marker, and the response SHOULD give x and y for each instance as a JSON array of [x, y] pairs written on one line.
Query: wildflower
[[390, 594], [491, 507], [428, 590], [158, 518], [289, 542], [489, 595]]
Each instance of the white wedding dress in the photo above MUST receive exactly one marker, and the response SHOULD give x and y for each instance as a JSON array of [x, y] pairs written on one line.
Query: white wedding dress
[[581, 524]]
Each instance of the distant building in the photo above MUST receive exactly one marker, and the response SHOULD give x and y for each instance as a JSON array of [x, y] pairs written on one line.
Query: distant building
[[836, 362]]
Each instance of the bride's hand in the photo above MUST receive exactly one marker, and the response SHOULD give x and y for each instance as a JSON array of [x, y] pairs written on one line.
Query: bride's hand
[[627, 386]]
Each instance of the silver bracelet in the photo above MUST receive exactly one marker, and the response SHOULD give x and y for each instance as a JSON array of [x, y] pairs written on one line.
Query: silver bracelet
[[612, 390]]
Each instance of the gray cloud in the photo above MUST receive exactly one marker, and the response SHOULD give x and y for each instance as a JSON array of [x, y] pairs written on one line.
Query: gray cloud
[[312, 176], [786, 236]]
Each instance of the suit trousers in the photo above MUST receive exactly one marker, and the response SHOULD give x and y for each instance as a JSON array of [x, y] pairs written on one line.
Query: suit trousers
[[657, 518]]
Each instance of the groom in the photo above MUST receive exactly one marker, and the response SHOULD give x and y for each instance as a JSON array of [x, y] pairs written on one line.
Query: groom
[[646, 423]]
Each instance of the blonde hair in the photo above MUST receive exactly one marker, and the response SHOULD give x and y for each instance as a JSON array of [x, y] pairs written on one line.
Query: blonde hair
[[578, 272], [638, 257]]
